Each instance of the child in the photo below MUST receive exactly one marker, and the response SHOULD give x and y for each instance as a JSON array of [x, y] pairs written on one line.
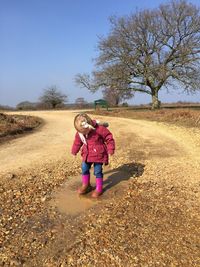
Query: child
[[97, 143]]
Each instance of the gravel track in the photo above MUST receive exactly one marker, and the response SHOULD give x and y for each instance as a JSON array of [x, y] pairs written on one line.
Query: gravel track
[[147, 216]]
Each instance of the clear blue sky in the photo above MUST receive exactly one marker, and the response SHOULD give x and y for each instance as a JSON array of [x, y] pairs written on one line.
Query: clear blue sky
[[47, 42]]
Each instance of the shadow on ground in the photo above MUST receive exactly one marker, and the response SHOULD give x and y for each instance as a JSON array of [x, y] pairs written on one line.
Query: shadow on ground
[[122, 173]]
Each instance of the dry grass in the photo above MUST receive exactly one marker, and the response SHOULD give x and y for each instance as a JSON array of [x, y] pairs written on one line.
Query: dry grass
[[181, 117], [13, 125]]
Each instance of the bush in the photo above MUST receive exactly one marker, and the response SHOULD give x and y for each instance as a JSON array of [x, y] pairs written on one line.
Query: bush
[[125, 104]]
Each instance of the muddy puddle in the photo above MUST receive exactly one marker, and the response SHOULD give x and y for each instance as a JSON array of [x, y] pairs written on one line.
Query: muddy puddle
[[67, 200]]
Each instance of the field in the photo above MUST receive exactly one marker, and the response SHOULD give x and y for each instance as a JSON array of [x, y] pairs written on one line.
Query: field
[[147, 216], [182, 116]]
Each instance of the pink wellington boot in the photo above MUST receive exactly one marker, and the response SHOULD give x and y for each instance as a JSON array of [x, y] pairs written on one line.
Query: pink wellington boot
[[86, 187], [99, 188]]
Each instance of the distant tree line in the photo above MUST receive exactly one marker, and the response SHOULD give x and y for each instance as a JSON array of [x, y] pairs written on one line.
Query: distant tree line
[[53, 98]]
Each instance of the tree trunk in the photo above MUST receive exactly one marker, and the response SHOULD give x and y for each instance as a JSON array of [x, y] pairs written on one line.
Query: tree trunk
[[155, 102], [116, 101]]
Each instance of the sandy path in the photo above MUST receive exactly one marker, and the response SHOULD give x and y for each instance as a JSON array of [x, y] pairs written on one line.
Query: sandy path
[[168, 152], [53, 141], [168, 158]]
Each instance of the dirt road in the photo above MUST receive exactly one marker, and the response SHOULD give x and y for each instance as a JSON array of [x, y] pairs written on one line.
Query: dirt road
[[54, 139], [51, 142], [156, 153]]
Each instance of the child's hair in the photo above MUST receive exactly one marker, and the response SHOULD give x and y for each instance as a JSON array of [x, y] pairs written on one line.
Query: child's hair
[[82, 121]]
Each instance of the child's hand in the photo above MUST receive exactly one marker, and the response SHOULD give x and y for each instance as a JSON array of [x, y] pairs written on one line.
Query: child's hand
[[112, 157]]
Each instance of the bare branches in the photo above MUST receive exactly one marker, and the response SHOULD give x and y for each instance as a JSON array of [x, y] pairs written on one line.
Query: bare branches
[[150, 49], [53, 97], [83, 80]]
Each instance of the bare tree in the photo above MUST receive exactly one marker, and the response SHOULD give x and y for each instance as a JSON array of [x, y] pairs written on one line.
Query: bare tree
[[114, 96], [26, 105], [113, 81], [150, 50], [80, 102], [111, 96], [53, 97]]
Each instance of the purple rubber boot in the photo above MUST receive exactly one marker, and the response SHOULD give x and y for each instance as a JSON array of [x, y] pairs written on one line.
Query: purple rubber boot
[[86, 187], [99, 188]]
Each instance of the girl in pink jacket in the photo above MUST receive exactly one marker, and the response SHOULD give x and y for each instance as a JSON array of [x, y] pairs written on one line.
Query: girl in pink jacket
[[96, 143]]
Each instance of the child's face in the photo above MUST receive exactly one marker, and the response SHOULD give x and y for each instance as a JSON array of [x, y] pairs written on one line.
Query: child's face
[[85, 131], [83, 124]]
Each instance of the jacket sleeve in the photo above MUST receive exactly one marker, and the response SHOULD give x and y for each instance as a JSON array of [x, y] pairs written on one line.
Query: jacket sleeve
[[76, 145], [108, 139]]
